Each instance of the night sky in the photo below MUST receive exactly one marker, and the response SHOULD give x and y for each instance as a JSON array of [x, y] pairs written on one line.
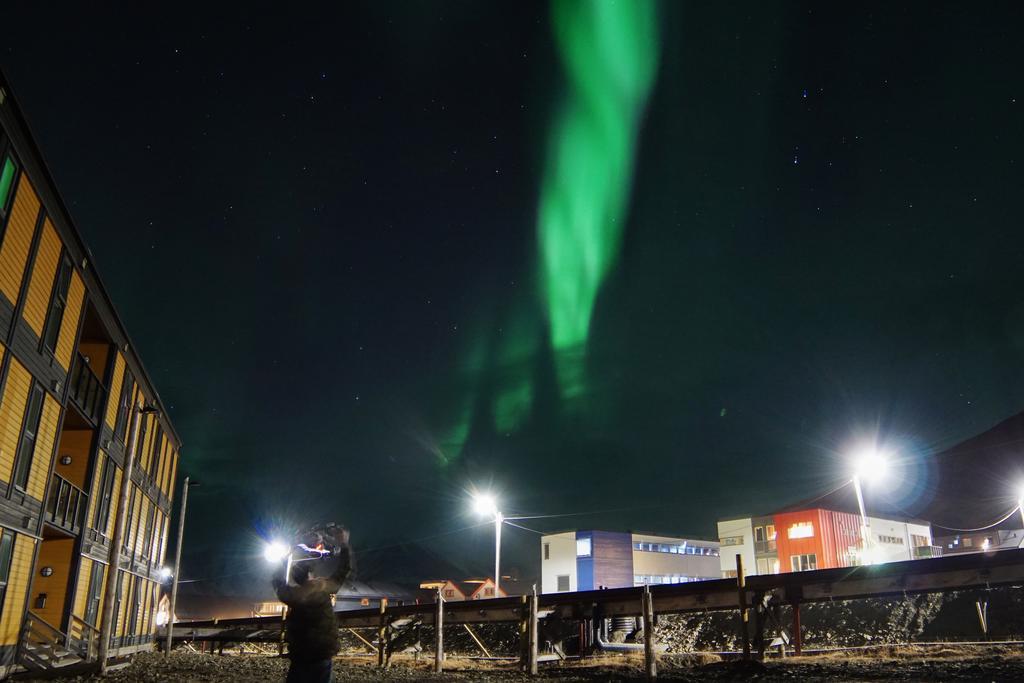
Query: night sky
[[327, 230]]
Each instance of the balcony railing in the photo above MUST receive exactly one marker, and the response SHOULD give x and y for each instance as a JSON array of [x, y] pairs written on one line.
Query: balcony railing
[[87, 390], [765, 546], [922, 551], [66, 505]]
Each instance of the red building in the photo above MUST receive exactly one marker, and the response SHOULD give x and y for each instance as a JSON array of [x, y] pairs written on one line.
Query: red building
[[816, 539]]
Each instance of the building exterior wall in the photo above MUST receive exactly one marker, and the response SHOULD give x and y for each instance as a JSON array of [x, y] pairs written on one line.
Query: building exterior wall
[[830, 538], [736, 537], [680, 560], [558, 558], [61, 396]]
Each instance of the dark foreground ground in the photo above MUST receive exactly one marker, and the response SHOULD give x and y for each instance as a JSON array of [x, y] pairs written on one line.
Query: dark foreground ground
[[912, 663]]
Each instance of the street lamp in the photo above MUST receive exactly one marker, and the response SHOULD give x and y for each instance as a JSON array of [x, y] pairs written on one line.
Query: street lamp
[[485, 505], [871, 465], [186, 485]]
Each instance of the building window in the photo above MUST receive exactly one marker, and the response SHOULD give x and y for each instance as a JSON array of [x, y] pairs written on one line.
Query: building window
[[891, 540], [769, 532], [759, 534], [6, 551], [583, 547], [58, 302], [140, 441], [449, 592], [147, 539], [803, 563], [8, 173], [154, 454], [23, 461], [968, 542], [124, 405], [801, 530], [547, 551], [488, 592], [92, 605], [106, 492], [563, 583]]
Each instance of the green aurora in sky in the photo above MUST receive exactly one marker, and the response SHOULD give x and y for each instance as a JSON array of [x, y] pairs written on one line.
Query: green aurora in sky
[[609, 49]]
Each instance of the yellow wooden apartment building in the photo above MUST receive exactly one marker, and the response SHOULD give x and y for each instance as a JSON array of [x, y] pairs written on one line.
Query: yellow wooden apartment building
[[68, 380]]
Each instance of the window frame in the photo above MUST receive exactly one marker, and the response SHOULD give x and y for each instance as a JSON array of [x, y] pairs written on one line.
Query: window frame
[[58, 305], [22, 470], [124, 405], [6, 562], [106, 496], [95, 594], [7, 152]]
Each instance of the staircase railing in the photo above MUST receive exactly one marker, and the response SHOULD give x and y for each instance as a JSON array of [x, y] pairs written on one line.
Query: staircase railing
[[83, 638], [43, 646]]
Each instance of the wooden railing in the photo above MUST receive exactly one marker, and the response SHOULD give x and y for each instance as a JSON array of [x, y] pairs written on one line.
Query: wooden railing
[[87, 390], [66, 505], [83, 638]]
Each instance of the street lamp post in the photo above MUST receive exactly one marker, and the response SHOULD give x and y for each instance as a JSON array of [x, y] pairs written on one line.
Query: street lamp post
[[864, 527], [485, 504], [114, 554], [177, 562], [871, 466]]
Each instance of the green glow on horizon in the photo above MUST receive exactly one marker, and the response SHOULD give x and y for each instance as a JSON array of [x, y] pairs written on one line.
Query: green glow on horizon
[[609, 51]]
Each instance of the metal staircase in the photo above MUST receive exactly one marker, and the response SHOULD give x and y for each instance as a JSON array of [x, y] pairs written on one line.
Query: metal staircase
[[44, 647]]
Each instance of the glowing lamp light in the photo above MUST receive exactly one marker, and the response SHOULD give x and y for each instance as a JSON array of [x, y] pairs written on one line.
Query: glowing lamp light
[[484, 504], [275, 551], [871, 465], [165, 573]]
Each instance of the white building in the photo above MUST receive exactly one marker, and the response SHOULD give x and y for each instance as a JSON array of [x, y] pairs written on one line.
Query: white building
[[588, 560]]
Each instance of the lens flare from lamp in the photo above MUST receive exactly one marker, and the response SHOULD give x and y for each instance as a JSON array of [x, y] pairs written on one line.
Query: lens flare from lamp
[[275, 551], [872, 465], [165, 573], [485, 504]]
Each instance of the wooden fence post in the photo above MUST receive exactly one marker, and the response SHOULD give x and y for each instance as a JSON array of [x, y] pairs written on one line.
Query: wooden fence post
[[534, 635], [798, 639], [524, 633], [650, 662], [382, 633], [741, 585], [439, 634]]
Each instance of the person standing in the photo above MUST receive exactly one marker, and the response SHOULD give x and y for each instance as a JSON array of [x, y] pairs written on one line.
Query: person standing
[[311, 629]]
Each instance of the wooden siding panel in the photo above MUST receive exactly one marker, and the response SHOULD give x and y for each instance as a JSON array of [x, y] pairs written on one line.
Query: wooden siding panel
[[94, 490], [12, 411], [43, 454], [174, 473], [115, 503], [81, 596], [69, 324], [115, 390], [17, 585], [18, 240], [40, 284]]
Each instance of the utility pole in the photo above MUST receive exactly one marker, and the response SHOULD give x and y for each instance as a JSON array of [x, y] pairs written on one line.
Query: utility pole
[[498, 521], [114, 554], [177, 562]]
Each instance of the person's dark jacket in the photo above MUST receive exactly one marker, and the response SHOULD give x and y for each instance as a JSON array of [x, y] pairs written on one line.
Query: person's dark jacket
[[311, 628]]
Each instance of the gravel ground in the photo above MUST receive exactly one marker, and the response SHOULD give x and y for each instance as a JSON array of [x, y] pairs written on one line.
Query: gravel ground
[[912, 663]]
